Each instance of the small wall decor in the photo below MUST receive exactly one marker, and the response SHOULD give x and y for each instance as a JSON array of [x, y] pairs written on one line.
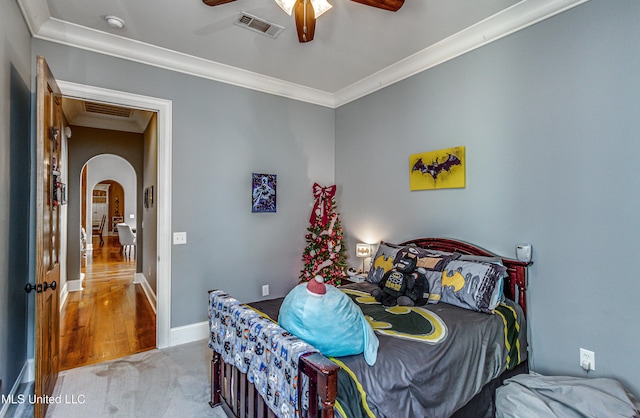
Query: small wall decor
[[263, 192], [63, 193], [148, 197], [442, 169]]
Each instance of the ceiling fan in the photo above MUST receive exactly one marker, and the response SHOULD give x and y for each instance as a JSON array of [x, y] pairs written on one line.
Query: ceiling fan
[[306, 11]]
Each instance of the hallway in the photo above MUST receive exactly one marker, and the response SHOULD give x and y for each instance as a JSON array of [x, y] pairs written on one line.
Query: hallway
[[111, 317]]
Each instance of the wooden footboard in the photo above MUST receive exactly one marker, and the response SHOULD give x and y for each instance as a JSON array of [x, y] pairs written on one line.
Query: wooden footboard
[[323, 382], [231, 389]]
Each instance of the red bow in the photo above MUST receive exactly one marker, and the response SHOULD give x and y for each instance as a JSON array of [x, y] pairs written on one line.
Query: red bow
[[322, 206]]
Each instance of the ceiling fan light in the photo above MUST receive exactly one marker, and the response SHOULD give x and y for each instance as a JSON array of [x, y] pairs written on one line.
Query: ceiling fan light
[[320, 6], [286, 5]]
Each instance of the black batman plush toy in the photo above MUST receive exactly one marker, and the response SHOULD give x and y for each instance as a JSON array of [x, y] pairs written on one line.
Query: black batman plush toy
[[403, 284]]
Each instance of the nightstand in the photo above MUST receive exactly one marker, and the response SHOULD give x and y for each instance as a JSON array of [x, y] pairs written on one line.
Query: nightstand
[[358, 278]]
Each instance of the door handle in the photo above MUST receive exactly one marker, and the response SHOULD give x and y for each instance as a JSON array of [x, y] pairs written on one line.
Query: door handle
[[37, 287], [51, 286]]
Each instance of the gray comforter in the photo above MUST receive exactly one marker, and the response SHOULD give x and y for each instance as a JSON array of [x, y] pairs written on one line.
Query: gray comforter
[[526, 396], [425, 379], [435, 374]]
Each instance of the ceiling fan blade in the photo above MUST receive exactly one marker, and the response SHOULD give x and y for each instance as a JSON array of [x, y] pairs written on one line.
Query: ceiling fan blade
[[305, 20], [392, 5], [216, 2]]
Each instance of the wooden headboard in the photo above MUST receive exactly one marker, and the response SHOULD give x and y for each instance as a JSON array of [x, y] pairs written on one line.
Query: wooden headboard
[[515, 284]]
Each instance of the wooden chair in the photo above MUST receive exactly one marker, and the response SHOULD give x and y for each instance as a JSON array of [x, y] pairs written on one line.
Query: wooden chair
[[97, 230]]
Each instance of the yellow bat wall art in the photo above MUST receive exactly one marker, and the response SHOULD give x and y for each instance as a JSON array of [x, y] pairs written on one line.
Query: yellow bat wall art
[[442, 169]]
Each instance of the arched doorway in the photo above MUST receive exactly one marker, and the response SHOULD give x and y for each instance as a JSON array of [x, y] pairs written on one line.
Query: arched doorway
[[109, 185]]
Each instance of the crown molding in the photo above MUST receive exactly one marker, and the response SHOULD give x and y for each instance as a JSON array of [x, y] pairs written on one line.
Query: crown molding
[[510, 20], [70, 34], [35, 13]]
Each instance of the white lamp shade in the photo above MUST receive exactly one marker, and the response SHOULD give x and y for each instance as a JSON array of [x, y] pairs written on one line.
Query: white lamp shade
[[363, 250], [319, 6]]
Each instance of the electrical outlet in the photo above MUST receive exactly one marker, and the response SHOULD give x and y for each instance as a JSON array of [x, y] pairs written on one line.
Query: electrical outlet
[[265, 290], [179, 238], [587, 359]]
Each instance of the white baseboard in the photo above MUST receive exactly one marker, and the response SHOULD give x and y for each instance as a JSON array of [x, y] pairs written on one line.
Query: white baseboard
[[179, 335], [148, 291], [22, 378], [189, 333], [75, 285]]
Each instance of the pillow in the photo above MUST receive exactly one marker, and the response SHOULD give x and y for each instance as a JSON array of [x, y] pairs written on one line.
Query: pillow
[[433, 265], [430, 251], [383, 261], [434, 278], [471, 284], [331, 322], [427, 259], [498, 292]]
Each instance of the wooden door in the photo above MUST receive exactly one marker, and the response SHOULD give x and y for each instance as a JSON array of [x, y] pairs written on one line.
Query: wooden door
[[49, 124]]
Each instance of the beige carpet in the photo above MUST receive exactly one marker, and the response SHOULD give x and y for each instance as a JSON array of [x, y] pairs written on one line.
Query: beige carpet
[[172, 382]]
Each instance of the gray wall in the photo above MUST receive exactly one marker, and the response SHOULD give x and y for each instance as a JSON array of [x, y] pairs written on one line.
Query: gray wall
[[15, 117], [222, 134], [550, 120]]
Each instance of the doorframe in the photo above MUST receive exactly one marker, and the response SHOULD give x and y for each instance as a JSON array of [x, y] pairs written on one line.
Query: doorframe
[[163, 108]]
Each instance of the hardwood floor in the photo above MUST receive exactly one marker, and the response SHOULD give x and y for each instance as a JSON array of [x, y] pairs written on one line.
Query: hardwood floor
[[111, 317]]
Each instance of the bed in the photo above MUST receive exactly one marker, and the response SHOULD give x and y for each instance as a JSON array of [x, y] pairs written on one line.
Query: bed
[[452, 369]]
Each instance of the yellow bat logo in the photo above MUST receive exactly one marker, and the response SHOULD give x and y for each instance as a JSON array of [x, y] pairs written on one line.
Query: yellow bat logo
[[453, 278], [383, 262], [407, 322]]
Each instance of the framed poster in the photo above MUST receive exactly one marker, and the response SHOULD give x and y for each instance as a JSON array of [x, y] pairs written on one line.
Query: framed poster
[[263, 192], [442, 169]]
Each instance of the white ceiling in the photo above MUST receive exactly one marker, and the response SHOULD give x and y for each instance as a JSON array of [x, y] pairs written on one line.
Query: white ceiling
[[357, 49]]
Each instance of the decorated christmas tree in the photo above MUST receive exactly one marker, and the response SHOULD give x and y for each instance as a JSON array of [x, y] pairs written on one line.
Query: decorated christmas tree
[[325, 253]]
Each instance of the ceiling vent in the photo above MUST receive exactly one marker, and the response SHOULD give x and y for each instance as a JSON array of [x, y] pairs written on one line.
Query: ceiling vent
[[259, 25], [110, 110]]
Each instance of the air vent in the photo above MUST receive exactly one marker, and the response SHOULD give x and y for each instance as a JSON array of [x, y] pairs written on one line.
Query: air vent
[[259, 25], [110, 110]]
